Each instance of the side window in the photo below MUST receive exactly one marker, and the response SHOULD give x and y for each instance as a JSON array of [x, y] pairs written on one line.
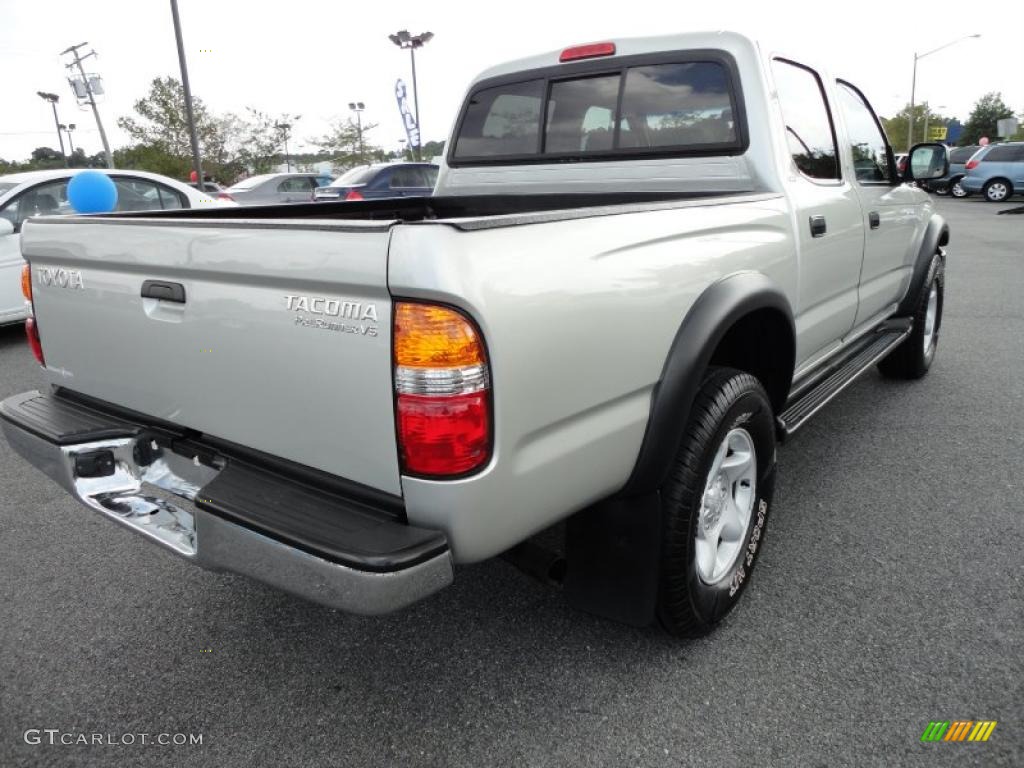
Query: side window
[[43, 200], [137, 195], [812, 141], [502, 121], [430, 176], [870, 153], [172, 199], [1006, 153], [581, 115], [292, 185]]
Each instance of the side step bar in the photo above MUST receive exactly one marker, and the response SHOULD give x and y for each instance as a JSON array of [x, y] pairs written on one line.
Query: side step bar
[[837, 376]]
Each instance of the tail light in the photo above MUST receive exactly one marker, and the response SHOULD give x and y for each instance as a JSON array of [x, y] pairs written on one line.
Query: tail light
[[354, 194], [442, 385], [32, 332], [26, 282], [31, 329], [225, 196], [971, 165]]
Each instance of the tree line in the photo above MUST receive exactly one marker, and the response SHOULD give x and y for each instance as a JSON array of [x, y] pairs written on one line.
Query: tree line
[[231, 145]]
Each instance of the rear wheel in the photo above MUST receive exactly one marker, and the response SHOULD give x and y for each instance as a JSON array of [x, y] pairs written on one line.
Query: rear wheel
[[913, 358], [715, 502], [997, 190]]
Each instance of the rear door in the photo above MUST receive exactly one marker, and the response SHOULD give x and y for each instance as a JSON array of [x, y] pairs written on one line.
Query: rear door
[[278, 338], [893, 213], [828, 224]]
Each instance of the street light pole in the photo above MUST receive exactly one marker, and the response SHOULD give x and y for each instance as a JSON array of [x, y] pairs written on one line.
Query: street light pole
[[913, 85], [403, 39], [358, 107], [53, 98], [286, 129], [71, 144], [193, 137]]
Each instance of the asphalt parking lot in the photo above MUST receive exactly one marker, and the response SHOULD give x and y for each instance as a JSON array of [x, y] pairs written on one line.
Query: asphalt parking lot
[[889, 594]]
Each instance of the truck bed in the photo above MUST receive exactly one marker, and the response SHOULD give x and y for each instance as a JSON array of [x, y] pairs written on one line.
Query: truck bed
[[521, 208]]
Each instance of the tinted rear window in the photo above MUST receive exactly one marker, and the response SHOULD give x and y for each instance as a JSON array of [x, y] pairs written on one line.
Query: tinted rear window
[[359, 175], [658, 107], [962, 154]]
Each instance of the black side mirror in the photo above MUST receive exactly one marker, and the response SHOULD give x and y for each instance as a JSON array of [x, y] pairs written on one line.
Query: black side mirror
[[926, 162]]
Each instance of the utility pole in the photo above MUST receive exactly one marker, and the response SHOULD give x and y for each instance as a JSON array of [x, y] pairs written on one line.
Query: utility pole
[[71, 145], [188, 95], [53, 98], [89, 92]]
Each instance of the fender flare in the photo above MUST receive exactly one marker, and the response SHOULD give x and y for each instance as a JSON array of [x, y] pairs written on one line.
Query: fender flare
[[936, 235], [714, 312]]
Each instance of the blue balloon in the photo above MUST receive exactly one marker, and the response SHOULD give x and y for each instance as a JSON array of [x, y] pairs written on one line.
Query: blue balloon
[[92, 192]]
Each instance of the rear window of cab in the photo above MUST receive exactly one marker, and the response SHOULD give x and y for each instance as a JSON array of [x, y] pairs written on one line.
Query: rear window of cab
[[665, 107]]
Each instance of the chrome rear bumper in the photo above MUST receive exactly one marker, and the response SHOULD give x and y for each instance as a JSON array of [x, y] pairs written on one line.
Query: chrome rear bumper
[[157, 498]]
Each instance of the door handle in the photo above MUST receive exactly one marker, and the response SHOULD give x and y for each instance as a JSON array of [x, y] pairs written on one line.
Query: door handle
[[874, 220], [818, 226], [161, 289]]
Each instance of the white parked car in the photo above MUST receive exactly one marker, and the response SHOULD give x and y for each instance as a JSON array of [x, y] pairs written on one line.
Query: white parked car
[[42, 193]]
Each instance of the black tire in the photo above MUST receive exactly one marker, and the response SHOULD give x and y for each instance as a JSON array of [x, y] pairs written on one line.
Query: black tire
[[956, 190], [942, 189], [997, 190], [689, 606], [911, 359]]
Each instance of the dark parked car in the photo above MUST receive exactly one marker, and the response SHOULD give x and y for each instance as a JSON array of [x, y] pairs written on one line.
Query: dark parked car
[[271, 188], [368, 182], [950, 183]]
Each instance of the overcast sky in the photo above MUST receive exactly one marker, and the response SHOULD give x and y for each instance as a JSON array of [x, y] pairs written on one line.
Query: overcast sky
[[312, 57]]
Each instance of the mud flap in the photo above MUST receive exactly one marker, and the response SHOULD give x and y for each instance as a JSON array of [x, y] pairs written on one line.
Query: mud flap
[[613, 551]]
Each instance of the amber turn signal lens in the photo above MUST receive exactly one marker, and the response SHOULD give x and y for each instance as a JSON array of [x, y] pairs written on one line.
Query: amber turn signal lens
[[430, 336], [26, 282]]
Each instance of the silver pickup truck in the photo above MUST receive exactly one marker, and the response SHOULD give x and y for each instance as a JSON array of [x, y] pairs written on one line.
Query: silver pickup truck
[[647, 262]]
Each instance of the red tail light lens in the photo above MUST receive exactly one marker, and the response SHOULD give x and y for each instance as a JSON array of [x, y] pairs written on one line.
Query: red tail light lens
[[225, 196], [971, 165], [353, 194], [445, 435], [32, 332], [442, 384]]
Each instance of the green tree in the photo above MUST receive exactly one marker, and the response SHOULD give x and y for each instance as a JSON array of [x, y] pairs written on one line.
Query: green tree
[[161, 121], [896, 127], [343, 145], [155, 158], [261, 140], [987, 112]]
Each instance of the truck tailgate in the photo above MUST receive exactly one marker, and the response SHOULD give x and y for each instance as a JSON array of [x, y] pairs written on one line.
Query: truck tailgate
[[280, 342]]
